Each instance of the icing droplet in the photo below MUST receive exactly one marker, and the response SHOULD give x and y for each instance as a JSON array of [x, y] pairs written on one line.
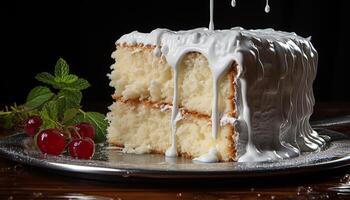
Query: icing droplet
[[233, 3], [267, 7]]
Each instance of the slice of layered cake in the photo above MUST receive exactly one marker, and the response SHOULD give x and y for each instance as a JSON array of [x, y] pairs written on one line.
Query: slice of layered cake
[[222, 95]]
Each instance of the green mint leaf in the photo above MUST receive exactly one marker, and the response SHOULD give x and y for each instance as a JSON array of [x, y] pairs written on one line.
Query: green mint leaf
[[95, 119], [69, 115], [46, 78], [70, 98], [79, 84], [61, 68], [38, 96], [70, 78], [62, 78], [67, 99], [49, 115], [47, 122]]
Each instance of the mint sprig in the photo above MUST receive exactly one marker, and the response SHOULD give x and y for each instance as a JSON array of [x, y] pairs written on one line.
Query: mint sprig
[[62, 79], [58, 103]]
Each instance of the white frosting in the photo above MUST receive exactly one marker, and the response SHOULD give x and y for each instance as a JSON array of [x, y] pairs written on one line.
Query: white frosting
[[172, 151], [274, 97]]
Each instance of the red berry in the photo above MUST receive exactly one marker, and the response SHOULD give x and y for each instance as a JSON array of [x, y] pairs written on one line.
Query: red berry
[[32, 125], [82, 148], [85, 130], [51, 141]]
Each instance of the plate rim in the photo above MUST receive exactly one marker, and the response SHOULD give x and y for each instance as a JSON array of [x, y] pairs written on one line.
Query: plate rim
[[107, 173]]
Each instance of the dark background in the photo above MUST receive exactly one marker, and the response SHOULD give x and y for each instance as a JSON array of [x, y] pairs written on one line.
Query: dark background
[[34, 34]]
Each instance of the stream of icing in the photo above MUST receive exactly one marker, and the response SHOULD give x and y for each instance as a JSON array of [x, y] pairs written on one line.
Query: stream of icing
[[172, 151], [211, 21]]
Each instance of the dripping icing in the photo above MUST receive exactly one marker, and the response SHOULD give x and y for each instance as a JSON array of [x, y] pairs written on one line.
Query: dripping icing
[[211, 22], [210, 157], [233, 3], [172, 151], [267, 7]]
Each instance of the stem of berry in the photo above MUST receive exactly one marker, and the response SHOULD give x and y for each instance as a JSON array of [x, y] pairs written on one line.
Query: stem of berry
[[81, 111], [69, 128]]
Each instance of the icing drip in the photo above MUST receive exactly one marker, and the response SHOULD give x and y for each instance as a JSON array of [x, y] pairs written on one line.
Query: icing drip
[[267, 7], [172, 151], [210, 157], [233, 3], [211, 22], [274, 97]]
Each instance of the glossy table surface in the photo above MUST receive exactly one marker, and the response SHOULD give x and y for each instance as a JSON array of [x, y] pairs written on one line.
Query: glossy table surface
[[23, 182]]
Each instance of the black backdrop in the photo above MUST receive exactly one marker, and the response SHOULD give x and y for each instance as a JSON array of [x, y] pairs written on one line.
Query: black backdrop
[[35, 34]]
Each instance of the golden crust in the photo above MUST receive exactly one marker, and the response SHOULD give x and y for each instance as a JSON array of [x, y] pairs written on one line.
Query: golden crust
[[125, 45]]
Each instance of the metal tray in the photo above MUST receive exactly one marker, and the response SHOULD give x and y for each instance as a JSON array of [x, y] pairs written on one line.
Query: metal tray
[[112, 164]]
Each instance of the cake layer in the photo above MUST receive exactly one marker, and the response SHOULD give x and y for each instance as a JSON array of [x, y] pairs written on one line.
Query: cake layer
[[144, 127], [139, 74]]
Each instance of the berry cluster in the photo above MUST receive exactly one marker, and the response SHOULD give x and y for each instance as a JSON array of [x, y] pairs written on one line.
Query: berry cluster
[[78, 139]]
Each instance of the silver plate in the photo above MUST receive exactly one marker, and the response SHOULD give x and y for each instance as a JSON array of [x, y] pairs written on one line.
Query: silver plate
[[109, 164]]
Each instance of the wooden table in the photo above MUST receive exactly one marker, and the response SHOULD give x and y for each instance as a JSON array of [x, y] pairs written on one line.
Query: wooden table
[[23, 182]]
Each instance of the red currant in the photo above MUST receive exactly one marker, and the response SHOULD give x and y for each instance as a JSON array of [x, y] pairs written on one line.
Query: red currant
[[51, 141], [82, 148], [85, 130], [32, 125]]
